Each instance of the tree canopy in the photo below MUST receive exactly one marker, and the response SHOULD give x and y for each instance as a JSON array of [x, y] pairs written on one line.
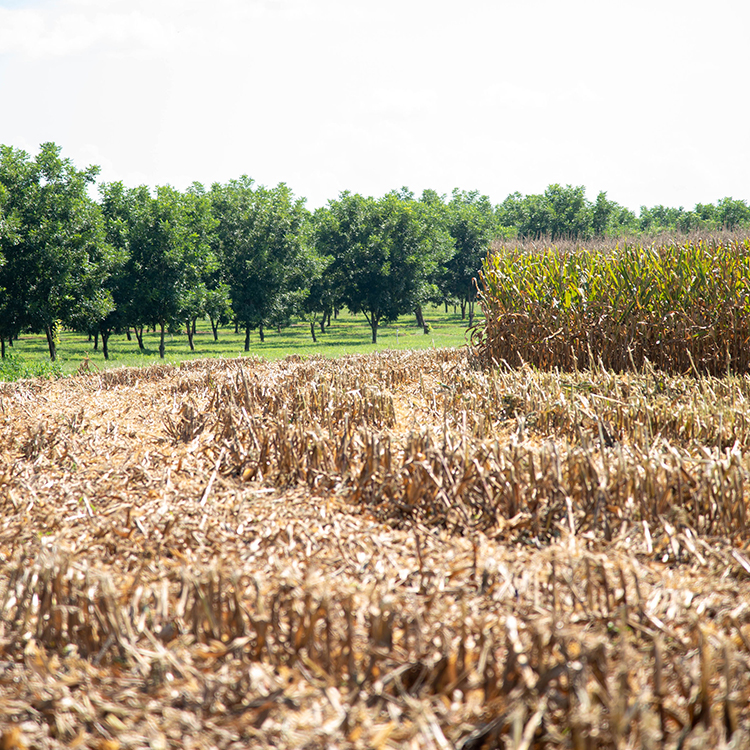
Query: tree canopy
[[56, 259], [384, 252], [472, 225], [260, 239], [162, 257]]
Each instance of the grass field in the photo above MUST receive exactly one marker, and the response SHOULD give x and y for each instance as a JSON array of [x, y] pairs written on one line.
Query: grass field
[[348, 334]]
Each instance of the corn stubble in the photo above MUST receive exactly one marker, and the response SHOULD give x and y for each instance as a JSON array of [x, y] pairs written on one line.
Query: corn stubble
[[398, 550]]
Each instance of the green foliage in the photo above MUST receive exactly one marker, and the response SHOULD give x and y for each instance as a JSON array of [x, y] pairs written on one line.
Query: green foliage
[[564, 213], [53, 243], [117, 210], [680, 306], [14, 367], [218, 302], [165, 257], [732, 214], [471, 224], [321, 297], [385, 252], [260, 239], [347, 334], [610, 219], [661, 219], [568, 210], [728, 213]]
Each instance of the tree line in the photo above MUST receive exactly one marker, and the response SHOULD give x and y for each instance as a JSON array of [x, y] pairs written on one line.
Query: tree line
[[256, 257]]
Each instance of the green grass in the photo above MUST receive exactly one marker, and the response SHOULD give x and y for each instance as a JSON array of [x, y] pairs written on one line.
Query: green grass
[[16, 367], [348, 334]]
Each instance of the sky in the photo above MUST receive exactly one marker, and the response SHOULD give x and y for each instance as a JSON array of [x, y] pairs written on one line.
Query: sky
[[644, 99]]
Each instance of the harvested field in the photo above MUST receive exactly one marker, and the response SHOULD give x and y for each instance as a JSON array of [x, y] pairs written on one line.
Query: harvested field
[[394, 550]]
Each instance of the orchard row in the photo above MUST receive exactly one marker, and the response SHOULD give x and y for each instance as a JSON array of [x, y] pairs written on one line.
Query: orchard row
[[256, 256]]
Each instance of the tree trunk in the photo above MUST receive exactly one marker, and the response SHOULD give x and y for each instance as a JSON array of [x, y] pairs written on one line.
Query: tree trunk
[[247, 338], [105, 344], [2, 345], [195, 323], [237, 327], [420, 316], [446, 306], [471, 313], [189, 330], [161, 341], [214, 328], [127, 333], [323, 324], [139, 337], [50, 333], [312, 331], [463, 309], [96, 341], [261, 334], [372, 320]]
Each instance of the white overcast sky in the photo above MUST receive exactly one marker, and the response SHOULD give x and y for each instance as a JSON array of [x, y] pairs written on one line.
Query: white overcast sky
[[646, 99]]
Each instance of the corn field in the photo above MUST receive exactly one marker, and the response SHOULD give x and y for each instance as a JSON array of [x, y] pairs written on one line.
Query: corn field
[[681, 306], [395, 550]]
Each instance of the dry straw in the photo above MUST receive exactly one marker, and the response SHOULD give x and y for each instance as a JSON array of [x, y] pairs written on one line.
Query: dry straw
[[384, 551]]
